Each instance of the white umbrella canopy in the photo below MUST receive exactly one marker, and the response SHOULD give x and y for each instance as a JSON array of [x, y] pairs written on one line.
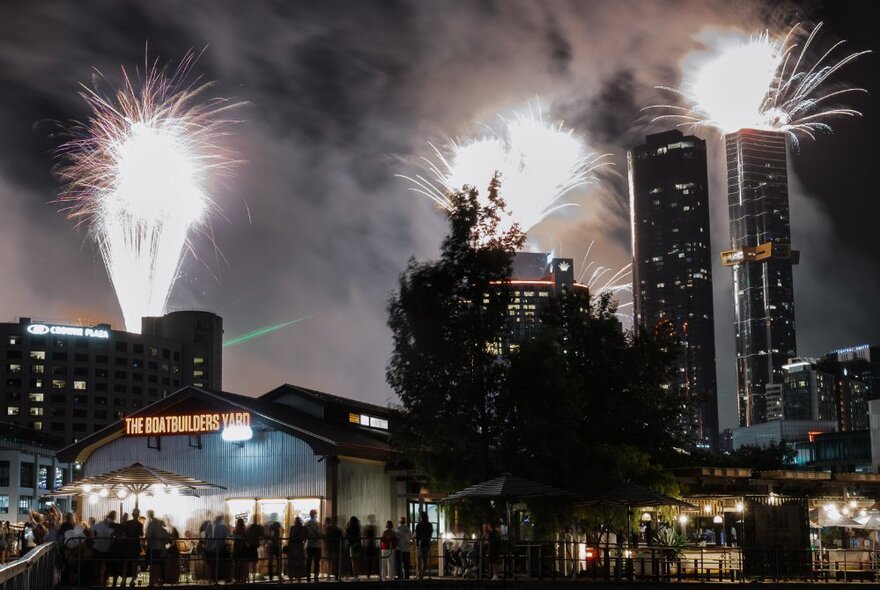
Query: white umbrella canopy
[[870, 521]]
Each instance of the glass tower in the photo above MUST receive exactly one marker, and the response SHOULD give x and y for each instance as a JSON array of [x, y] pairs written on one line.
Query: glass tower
[[762, 259], [672, 260]]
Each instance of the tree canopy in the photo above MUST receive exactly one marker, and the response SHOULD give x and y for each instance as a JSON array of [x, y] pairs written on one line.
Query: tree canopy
[[581, 405]]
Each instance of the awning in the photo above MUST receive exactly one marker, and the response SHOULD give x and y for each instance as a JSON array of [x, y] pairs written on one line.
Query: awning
[[631, 494], [510, 488]]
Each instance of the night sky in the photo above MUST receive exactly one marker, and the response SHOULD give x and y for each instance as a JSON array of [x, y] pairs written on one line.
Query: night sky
[[343, 95]]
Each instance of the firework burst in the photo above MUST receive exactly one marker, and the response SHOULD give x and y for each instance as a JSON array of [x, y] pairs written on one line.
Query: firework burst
[[764, 83], [137, 171], [602, 280], [539, 163]]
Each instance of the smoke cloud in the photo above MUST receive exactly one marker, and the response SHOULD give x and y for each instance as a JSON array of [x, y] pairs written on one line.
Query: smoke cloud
[[341, 96]]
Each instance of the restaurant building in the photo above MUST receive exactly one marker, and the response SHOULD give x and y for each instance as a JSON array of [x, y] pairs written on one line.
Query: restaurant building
[[276, 456]]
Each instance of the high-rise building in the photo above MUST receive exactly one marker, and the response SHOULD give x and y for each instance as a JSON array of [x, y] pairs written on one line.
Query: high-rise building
[[672, 260], [823, 390], [861, 362], [73, 380], [762, 259]]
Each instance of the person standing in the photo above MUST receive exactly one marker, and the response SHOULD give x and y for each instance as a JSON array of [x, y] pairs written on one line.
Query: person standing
[[353, 538], [254, 536], [424, 533], [404, 538], [215, 548], [157, 539], [273, 548], [103, 535], [332, 547], [132, 532], [371, 546], [314, 534], [388, 546], [295, 556], [239, 551]]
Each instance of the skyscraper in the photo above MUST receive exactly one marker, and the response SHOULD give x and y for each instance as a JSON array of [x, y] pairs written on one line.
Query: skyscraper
[[672, 260], [762, 258]]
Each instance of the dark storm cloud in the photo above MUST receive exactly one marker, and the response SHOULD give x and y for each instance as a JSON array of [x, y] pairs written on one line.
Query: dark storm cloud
[[339, 93]]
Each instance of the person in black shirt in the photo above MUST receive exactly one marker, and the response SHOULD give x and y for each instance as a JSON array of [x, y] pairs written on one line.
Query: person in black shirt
[[424, 532]]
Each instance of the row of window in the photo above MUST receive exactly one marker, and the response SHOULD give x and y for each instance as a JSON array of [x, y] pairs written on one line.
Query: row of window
[[15, 382], [26, 475], [101, 359], [120, 346], [75, 412]]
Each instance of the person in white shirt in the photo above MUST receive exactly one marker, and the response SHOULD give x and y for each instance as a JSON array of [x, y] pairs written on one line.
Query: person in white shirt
[[404, 539]]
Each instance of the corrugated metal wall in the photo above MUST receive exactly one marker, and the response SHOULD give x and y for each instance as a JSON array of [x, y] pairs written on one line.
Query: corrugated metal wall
[[364, 490], [270, 465]]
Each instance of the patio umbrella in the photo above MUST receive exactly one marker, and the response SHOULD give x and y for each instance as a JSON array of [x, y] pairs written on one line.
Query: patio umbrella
[[631, 495], [509, 488], [134, 479]]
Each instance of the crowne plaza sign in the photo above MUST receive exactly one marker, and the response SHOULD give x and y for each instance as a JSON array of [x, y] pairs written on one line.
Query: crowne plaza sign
[[185, 423]]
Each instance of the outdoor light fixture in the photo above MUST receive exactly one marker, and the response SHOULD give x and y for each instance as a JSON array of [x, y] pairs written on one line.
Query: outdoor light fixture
[[682, 519], [646, 517], [829, 507], [707, 509], [87, 488], [718, 519], [121, 493], [739, 507], [237, 433], [104, 492], [853, 503]]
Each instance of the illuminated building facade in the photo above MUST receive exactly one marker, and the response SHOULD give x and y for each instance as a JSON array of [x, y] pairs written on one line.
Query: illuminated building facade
[[672, 261], [859, 362], [762, 259], [303, 451], [29, 468], [819, 390], [536, 280], [73, 380]]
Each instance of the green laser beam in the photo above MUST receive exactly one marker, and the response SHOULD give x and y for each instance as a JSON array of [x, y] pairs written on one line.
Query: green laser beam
[[262, 331]]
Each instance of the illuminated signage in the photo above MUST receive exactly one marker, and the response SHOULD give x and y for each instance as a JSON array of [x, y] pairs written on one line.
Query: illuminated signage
[[43, 329], [185, 424]]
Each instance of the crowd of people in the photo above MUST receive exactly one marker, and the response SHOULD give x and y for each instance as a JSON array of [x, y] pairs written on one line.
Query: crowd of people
[[119, 552]]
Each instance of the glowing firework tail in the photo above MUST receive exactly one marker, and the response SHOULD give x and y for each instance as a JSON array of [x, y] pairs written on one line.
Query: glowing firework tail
[[137, 173], [262, 332], [539, 163], [764, 83], [601, 280]]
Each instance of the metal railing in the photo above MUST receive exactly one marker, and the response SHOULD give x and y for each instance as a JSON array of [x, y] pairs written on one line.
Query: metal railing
[[195, 560], [34, 571]]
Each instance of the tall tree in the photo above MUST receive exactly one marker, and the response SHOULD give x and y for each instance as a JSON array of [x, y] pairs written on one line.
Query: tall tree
[[447, 319]]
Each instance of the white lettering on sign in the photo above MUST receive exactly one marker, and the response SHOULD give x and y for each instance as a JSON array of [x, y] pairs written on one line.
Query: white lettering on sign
[[42, 329]]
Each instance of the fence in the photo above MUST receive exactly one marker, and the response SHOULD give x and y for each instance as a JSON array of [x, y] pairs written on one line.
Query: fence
[[34, 571], [188, 561]]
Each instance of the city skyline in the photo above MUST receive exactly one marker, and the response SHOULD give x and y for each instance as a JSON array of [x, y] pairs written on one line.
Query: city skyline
[[314, 223]]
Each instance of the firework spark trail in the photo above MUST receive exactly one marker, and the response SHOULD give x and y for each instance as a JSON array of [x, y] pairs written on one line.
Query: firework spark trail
[[764, 83], [539, 162], [137, 171], [620, 282], [262, 331]]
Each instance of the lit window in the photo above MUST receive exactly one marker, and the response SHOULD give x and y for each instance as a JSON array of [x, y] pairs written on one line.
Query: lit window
[[79, 384], [59, 383], [35, 411], [24, 504], [37, 425], [13, 340], [154, 351], [38, 355], [4, 504], [14, 368], [35, 397], [12, 411], [198, 373], [37, 369], [198, 360]]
